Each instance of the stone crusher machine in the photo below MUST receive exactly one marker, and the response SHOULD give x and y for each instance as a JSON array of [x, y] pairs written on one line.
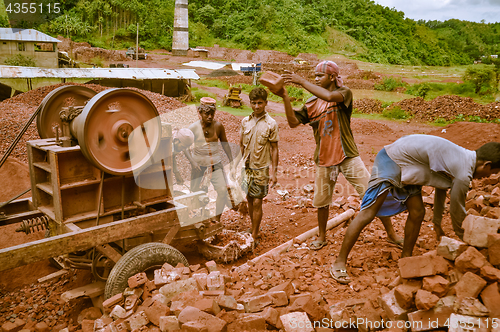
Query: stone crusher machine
[[233, 98], [102, 191]]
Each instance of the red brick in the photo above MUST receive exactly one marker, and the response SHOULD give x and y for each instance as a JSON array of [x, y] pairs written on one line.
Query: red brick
[[138, 320], [272, 317], [470, 260], [209, 306], [87, 325], [137, 280], [390, 305], [215, 281], [425, 300], [148, 288], [405, 297], [422, 266], [194, 327], [489, 273], [493, 213], [494, 248], [476, 230], [118, 312], [155, 311], [177, 287], [279, 299], [295, 297], [213, 323], [248, 322], [257, 303], [227, 302], [426, 320], [436, 285], [491, 299], [42, 327], [450, 248], [131, 303], [211, 266], [15, 326], [296, 322], [169, 323], [110, 303], [470, 306], [211, 293], [309, 306], [470, 285], [183, 300], [286, 287], [163, 277], [201, 279]]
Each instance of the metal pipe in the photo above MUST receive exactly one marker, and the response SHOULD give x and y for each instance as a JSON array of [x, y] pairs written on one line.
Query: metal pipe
[[13, 198], [18, 137]]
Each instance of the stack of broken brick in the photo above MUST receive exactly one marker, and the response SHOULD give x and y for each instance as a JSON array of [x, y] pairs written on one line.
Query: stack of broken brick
[[454, 287], [196, 299]]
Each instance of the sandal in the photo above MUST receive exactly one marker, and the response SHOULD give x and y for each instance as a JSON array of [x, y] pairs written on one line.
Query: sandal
[[340, 275], [317, 245], [398, 244]]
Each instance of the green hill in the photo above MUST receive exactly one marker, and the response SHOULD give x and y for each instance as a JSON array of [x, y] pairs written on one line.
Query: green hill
[[358, 28]]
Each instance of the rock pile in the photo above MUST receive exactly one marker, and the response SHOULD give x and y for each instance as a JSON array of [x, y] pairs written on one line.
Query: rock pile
[[448, 107]]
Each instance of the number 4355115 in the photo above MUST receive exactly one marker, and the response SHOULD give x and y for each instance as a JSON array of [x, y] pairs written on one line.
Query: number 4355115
[[32, 8]]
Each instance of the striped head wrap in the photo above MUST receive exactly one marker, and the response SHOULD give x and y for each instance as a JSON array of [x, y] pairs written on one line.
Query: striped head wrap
[[331, 68]]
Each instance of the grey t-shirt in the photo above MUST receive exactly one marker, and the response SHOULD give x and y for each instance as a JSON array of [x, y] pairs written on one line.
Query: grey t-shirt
[[428, 160]]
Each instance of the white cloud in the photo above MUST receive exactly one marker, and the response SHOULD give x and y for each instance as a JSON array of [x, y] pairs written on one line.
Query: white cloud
[[441, 10]]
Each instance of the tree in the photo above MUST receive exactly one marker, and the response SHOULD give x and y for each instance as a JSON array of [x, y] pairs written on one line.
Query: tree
[[483, 78]]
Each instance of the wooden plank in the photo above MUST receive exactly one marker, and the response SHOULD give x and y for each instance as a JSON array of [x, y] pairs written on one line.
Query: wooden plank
[[87, 238], [171, 234], [70, 227], [110, 252], [91, 290], [53, 276]]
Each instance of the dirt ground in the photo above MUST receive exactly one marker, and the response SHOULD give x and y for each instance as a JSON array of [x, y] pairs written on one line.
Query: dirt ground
[[283, 219]]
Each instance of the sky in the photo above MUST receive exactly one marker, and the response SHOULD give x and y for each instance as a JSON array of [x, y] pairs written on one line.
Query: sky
[[442, 10]]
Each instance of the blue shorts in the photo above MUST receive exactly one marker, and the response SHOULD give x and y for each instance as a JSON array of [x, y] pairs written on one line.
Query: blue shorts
[[388, 173]]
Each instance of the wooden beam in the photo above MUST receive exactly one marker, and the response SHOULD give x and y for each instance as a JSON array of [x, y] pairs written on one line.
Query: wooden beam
[[87, 238], [91, 290], [110, 252]]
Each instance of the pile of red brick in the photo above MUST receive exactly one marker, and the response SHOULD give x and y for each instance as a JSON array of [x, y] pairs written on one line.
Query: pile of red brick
[[201, 299], [484, 199], [455, 286]]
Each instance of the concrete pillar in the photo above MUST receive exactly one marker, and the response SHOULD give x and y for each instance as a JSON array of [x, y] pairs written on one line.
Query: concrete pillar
[[180, 39]]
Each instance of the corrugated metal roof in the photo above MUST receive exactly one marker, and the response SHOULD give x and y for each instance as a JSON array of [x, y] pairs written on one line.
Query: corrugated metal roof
[[123, 73], [26, 35]]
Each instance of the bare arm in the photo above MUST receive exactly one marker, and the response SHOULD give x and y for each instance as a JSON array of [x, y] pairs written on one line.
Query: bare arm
[[322, 93], [289, 111], [223, 139], [439, 199], [274, 163]]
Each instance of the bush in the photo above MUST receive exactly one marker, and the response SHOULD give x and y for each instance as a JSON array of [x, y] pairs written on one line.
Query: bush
[[390, 84], [419, 90], [20, 60], [396, 113], [483, 79]]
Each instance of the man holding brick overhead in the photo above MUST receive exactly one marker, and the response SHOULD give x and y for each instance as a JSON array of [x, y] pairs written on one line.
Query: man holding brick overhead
[[399, 172], [328, 112]]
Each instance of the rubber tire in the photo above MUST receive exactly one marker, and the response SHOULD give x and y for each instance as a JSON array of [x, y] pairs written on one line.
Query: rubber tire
[[138, 260]]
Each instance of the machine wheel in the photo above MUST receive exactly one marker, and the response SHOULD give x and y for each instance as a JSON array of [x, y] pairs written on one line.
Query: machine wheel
[[139, 259], [118, 131], [52, 104]]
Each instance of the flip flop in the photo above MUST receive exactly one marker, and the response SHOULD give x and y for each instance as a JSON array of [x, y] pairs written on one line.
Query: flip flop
[[340, 275], [317, 245], [398, 244]]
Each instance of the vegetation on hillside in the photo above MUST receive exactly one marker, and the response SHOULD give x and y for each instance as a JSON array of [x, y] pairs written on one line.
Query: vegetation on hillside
[[359, 28]]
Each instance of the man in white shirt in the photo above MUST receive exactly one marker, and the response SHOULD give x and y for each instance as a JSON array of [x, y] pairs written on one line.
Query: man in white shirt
[[399, 172]]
